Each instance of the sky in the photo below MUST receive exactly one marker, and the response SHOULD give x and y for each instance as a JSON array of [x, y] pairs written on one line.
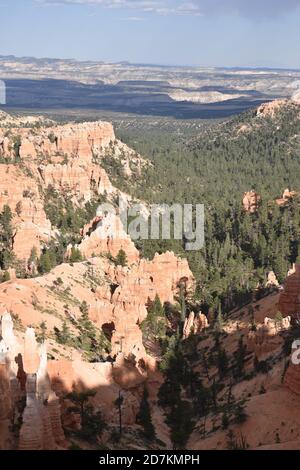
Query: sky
[[256, 33]]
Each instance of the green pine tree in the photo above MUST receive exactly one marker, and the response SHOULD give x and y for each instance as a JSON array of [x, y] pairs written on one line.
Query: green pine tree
[[144, 417], [121, 258]]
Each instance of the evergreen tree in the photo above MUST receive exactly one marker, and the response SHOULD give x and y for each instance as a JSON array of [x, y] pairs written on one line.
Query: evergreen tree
[[33, 259], [181, 423], [75, 255], [222, 362], [219, 321], [92, 424], [240, 357], [6, 238], [144, 417], [63, 336], [154, 326], [121, 258], [118, 404], [45, 264], [5, 276], [41, 335], [225, 421]]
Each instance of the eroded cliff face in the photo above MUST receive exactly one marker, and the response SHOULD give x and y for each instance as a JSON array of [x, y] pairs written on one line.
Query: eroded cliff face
[[114, 295], [289, 304], [194, 324], [106, 234], [289, 301], [270, 109], [72, 140], [116, 298], [24, 376], [67, 158], [30, 224], [266, 339]]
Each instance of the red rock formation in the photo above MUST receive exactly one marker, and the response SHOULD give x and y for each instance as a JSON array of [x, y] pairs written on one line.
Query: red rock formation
[[292, 378], [81, 179], [194, 324], [54, 410], [75, 140], [289, 300], [251, 201], [41, 420], [108, 237], [30, 222], [144, 281], [31, 355], [127, 372], [5, 391], [31, 433], [62, 376], [64, 157], [57, 156], [119, 302], [286, 197], [270, 109], [82, 139], [41, 428], [266, 338]]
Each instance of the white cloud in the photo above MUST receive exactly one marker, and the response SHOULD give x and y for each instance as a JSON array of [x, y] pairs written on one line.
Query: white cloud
[[247, 8], [133, 18], [160, 7]]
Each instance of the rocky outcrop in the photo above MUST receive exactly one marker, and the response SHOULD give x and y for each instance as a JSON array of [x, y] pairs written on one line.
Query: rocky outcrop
[[194, 324], [34, 420], [251, 201], [82, 140], [134, 287], [41, 428], [80, 179], [106, 379], [5, 390], [30, 224], [117, 303], [272, 280], [292, 270], [116, 297], [266, 339], [296, 97], [73, 140], [31, 355], [270, 109], [66, 158], [289, 300], [106, 235], [286, 197], [41, 420]]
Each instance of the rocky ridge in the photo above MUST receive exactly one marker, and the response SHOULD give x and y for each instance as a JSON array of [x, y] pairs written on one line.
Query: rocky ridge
[[64, 158]]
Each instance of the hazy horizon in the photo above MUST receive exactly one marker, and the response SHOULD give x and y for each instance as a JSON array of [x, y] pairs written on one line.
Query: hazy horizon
[[198, 33], [151, 64]]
